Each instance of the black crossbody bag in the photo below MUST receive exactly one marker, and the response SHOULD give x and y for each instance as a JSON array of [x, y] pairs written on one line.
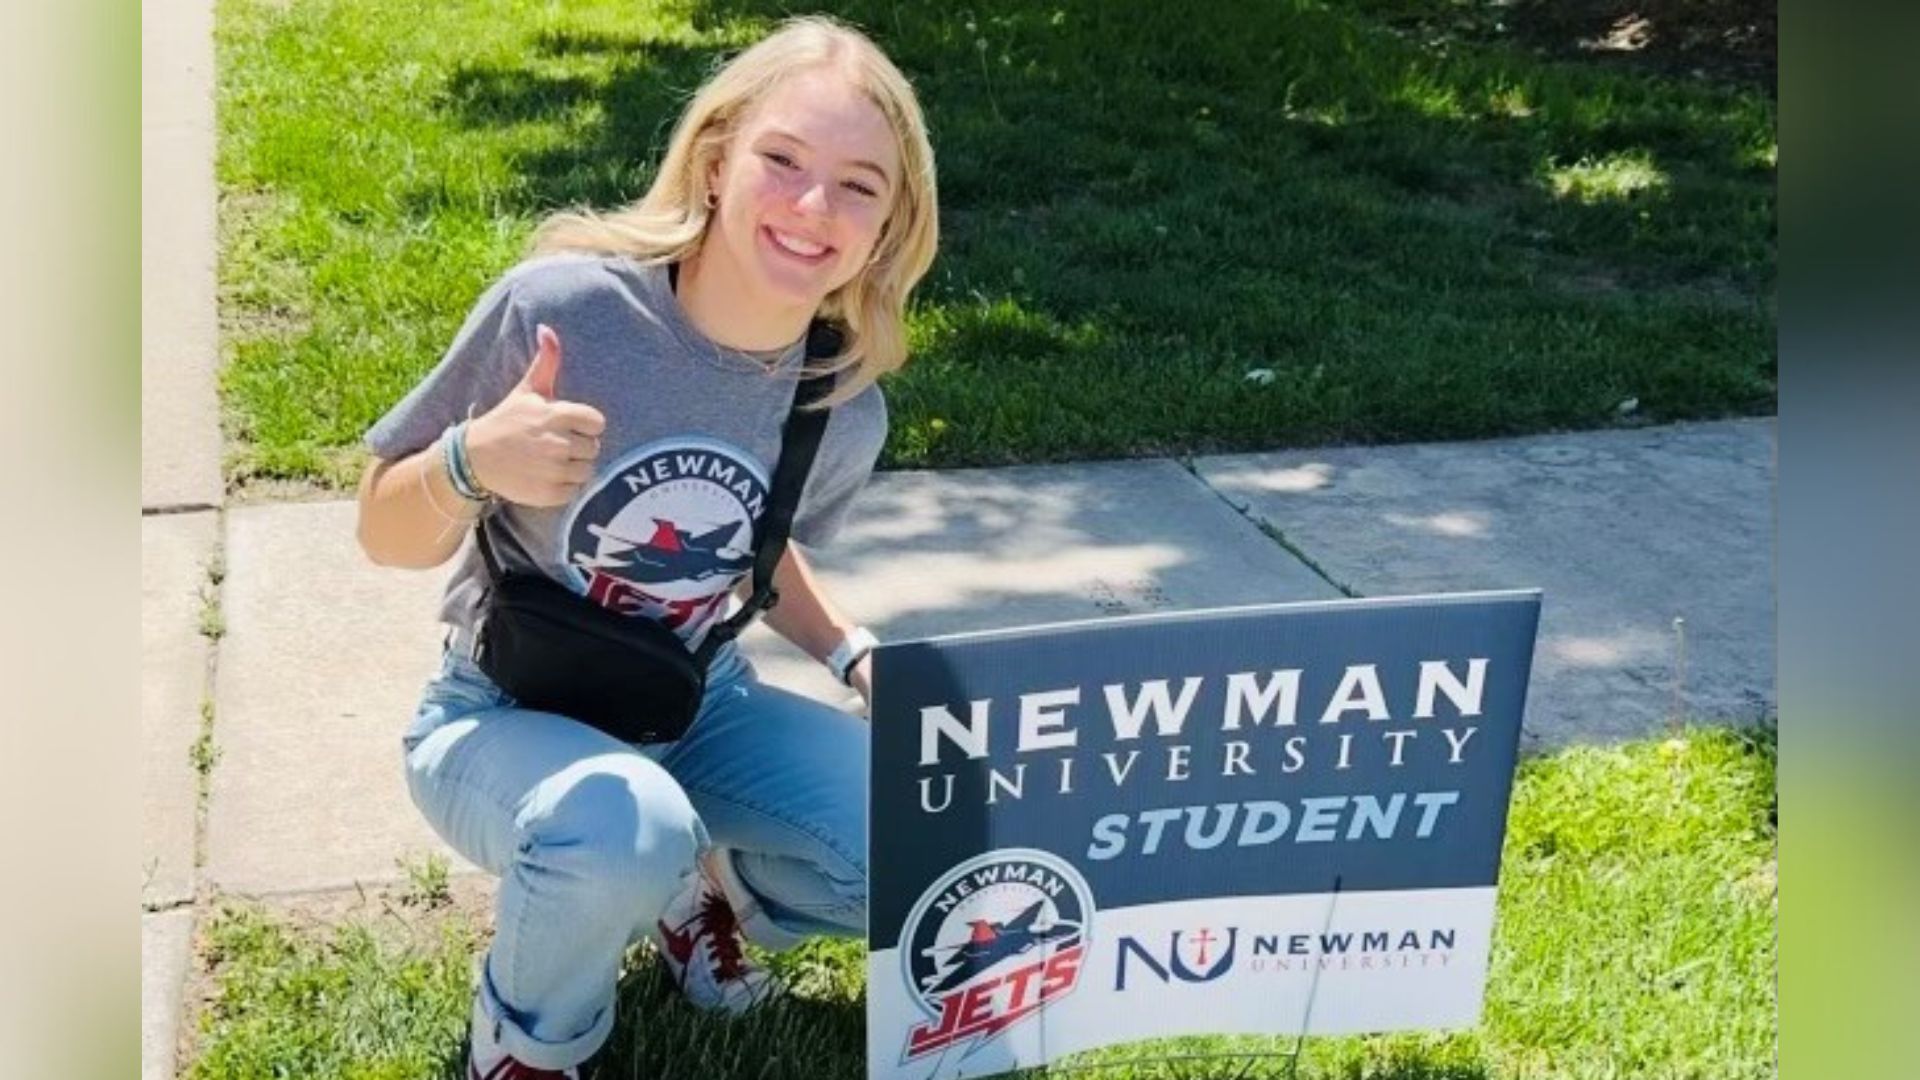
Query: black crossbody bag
[[556, 651]]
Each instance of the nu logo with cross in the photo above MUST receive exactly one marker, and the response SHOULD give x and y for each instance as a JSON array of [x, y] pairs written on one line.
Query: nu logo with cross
[[1174, 965]]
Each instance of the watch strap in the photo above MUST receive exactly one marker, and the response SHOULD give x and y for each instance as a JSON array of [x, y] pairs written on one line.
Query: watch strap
[[856, 645]]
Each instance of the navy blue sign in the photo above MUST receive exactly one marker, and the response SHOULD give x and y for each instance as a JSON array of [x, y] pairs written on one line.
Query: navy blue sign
[[1033, 787]]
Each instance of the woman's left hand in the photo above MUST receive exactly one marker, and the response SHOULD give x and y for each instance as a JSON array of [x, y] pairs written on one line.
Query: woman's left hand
[[861, 679]]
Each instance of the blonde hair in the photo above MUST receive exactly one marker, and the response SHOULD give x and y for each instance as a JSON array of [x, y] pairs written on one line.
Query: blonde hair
[[670, 221]]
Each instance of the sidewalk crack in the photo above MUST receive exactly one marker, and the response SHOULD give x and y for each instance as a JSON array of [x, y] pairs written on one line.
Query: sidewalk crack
[[1272, 532], [204, 754]]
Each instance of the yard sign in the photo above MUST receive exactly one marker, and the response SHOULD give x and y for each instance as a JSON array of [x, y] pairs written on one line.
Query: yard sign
[[1271, 820]]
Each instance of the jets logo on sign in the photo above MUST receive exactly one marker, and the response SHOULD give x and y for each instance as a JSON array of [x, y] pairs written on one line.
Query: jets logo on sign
[[667, 531], [994, 941]]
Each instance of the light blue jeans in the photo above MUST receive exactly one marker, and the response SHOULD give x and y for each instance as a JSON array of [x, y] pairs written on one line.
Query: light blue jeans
[[592, 837]]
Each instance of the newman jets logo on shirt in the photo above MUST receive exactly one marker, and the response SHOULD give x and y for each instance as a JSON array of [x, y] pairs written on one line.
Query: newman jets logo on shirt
[[667, 531]]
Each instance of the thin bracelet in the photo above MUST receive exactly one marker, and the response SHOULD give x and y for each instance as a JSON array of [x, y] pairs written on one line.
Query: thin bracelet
[[453, 521]]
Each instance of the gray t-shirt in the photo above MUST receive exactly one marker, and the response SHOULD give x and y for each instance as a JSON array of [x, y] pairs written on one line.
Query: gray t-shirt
[[666, 527]]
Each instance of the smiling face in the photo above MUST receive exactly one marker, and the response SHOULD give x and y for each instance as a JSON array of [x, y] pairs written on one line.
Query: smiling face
[[804, 191]]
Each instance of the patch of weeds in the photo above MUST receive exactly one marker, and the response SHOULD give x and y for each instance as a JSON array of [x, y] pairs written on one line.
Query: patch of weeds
[[204, 754], [346, 1001], [828, 968], [429, 881], [1613, 178], [213, 622]]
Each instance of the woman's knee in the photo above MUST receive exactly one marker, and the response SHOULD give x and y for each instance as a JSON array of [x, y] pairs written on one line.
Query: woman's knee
[[617, 825], [848, 878]]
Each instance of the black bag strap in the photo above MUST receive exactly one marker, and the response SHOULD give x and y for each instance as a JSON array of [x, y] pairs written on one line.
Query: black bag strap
[[800, 442], [494, 573]]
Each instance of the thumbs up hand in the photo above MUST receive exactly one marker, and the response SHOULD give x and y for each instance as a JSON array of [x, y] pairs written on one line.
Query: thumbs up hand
[[533, 448], [544, 372]]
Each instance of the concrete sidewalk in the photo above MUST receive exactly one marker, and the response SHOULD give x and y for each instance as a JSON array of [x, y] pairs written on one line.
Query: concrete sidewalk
[[1625, 531], [325, 654], [179, 474]]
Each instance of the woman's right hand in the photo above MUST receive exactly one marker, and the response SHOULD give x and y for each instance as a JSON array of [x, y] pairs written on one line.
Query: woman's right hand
[[533, 448]]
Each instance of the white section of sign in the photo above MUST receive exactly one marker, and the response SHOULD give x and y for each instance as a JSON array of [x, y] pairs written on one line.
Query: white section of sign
[[1320, 964]]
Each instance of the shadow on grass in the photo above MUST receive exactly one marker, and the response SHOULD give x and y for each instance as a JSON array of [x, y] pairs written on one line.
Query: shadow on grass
[[1219, 113], [795, 1038], [1138, 204], [1271, 1065], [634, 105], [1762, 741], [1731, 40], [1279, 186], [821, 1035], [1418, 243]]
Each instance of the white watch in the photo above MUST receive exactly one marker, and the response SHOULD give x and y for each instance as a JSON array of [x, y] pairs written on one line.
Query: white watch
[[857, 644]]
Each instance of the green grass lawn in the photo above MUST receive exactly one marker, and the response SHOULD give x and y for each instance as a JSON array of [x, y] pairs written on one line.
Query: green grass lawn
[[1635, 938], [1142, 202]]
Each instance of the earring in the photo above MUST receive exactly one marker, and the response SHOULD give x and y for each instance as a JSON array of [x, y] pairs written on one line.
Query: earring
[[713, 200]]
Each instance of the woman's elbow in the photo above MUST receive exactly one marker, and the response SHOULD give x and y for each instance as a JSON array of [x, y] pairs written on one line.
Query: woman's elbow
[[375, 543], [372, 545], [382, 551]]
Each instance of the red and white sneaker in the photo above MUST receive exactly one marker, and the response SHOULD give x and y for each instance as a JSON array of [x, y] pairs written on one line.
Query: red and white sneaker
[[508, 1067], [699, 939], [487, 1060]]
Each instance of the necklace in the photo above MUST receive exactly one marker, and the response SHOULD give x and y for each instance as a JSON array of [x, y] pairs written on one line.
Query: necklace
[[769, 364]]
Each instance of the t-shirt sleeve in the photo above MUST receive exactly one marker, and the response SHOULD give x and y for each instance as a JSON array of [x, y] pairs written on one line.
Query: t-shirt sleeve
[[827, 501], [487, 358]]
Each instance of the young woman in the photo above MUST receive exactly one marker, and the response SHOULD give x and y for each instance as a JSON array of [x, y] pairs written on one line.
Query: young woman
[[611, 414]]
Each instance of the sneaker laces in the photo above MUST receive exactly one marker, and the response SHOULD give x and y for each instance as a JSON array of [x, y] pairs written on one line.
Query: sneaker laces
[[717, 920]]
